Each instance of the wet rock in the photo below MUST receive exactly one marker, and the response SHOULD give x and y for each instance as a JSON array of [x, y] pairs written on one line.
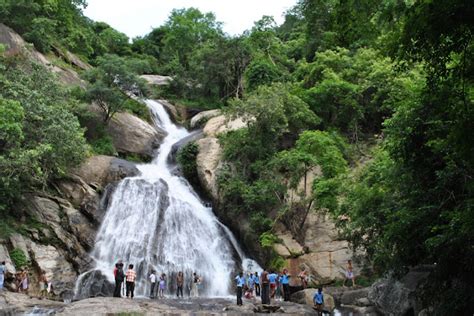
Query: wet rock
[[94, 284], [193, 137]]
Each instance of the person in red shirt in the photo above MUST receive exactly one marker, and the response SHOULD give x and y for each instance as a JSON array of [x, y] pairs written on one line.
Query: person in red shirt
[[130, 277]]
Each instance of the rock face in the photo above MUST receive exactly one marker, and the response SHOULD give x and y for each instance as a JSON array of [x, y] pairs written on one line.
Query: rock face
[[209, 157], [132, 135], [16, 45], [399, 297]]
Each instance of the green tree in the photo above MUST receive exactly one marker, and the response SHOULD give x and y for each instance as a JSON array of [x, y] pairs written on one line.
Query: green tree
[[110, 81]]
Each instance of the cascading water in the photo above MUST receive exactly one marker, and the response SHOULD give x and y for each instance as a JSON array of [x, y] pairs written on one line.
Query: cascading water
[[156, 221]]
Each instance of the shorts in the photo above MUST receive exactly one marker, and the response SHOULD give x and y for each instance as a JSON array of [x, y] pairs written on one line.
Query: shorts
[[349, 275]]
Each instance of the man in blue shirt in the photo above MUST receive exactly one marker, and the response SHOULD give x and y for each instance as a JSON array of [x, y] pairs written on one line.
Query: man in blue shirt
[[256, 281], [285, 282], [240, 280], [272, 278], [318, 300]]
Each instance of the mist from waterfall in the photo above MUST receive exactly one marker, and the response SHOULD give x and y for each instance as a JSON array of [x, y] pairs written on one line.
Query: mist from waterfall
[[156, 221]]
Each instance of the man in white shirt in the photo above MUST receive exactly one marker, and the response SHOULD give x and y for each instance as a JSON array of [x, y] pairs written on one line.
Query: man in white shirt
[[153, 283]]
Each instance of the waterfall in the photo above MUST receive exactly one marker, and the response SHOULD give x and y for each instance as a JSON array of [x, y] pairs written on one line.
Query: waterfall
[[156, 221]]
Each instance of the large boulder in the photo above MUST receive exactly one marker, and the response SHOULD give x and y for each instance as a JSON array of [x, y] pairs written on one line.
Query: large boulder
[[101, 170], [202, 118], [208, 161], [93, 284], [157, 80], [306, 297], [16, 45], [400, 297], [133, 136], [209, 158]]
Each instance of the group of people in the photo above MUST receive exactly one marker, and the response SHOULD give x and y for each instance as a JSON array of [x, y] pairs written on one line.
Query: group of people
[[22, 281], [268, 285], [158, 284]]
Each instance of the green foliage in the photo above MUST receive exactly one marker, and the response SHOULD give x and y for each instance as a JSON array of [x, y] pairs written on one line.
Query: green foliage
[[187, 160], [262, 72], [19, 258], [137, 108], [267, 239], [103, 146], [40, 138], [109, 83]]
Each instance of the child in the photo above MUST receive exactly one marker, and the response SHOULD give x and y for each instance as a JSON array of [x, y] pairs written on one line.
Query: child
[[162, 285], [318, 300]]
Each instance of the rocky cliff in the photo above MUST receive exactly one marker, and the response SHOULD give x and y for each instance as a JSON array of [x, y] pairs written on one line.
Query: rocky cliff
[[311, 243]]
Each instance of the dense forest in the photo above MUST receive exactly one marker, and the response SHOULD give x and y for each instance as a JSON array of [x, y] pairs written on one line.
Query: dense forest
[[377, 93]]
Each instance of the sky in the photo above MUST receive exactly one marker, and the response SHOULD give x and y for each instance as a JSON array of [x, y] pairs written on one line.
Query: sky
[[139, 17]]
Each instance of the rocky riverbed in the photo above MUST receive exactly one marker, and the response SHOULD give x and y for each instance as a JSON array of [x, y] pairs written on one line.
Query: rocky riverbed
[[20, 304]]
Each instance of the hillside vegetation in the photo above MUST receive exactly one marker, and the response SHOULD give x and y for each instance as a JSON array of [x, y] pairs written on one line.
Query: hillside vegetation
[[378, 94]]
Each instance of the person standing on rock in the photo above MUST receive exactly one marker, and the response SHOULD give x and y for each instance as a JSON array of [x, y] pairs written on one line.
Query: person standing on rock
[[240, 280], [119, 276], [43, 284], [265, 287], [285, 282], [194, 289], [179, 284], [162, 285], [2, 274], [272, 279], [318, 300], [152, 278], [256, 281], [250, 283], [24, 281], [303, 277], [349, 273], [130, 281]]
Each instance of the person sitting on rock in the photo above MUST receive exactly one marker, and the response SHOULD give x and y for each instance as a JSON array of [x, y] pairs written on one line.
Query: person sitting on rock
[[318, 300], [130, 281]]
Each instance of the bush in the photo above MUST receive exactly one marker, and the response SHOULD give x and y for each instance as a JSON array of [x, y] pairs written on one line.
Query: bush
[[19, 258], [187, 161]]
